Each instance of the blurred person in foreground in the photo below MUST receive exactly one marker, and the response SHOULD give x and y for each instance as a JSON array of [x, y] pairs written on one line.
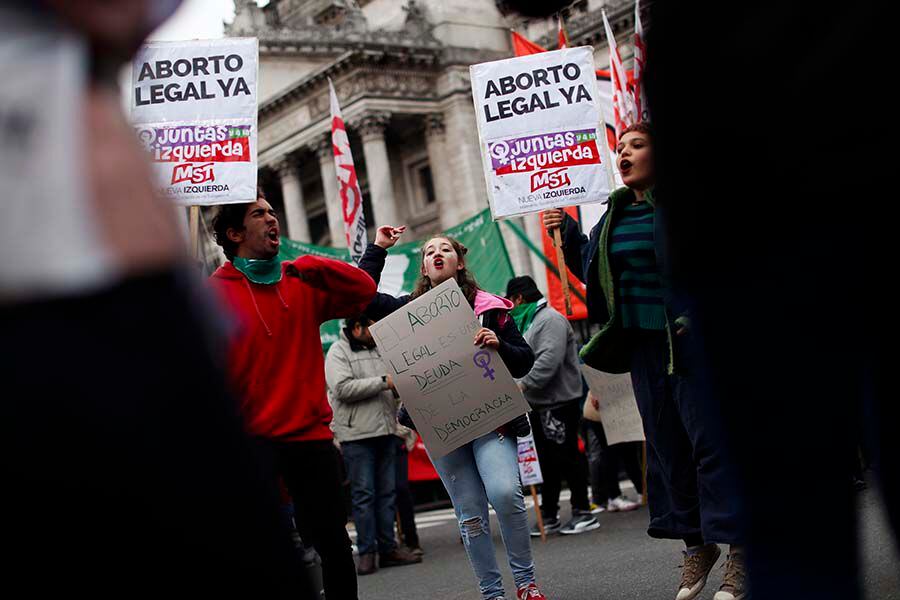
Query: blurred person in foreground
[[277, 369], [553, 389], [644, 331], [365, 424], [760, 228], [782, 231], [125, 466]]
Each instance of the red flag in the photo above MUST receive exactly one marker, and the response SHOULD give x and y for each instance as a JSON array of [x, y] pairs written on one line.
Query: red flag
[[348, 185], [563, 38], [554, 285], [522, 46], [623, 102]]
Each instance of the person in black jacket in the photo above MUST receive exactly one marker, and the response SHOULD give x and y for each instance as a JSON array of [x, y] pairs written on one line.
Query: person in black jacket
[[493, 454]]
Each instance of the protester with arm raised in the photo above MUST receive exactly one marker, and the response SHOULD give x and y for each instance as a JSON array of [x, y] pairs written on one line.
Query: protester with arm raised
[[494, 453]]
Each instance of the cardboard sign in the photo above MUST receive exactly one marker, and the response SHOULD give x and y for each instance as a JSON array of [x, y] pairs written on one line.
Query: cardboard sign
[[618, 408], [454, 391], [538, 121], [194, 106], [529, 465]]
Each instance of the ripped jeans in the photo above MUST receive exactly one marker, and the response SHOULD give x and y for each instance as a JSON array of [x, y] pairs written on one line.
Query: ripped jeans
[[485, 470]]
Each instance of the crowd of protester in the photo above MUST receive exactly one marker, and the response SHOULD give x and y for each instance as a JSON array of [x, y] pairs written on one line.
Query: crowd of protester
[[134, 410]]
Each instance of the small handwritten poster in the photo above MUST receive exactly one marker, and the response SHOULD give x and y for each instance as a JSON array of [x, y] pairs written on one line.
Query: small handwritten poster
[[454, 391]]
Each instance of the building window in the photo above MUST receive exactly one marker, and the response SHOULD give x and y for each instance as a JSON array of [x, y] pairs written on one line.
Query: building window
[[319, 233], [423, 200], [427, 185]]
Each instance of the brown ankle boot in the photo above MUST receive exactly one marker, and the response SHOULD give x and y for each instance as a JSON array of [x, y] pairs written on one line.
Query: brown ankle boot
[[366, 564], [398, 558]]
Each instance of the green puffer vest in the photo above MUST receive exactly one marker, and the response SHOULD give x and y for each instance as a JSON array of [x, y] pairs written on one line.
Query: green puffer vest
[[609, 350]]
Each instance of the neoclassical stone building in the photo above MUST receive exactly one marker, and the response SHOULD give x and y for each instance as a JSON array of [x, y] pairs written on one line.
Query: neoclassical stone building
[[401, 71]]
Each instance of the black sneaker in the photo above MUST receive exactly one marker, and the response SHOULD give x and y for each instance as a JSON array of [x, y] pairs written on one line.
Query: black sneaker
[[550, 526], [582, 520]]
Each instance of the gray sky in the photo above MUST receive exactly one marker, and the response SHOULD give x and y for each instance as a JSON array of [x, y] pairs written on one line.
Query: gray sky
[[196, 19]]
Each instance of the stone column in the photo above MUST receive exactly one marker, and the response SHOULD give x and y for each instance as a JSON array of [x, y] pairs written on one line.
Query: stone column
[[292, 193], [378, 168], [325, 151], [464, 157], [440, 170]]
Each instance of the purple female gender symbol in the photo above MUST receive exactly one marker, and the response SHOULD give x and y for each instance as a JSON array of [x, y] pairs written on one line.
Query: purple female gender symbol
[[485, 360]]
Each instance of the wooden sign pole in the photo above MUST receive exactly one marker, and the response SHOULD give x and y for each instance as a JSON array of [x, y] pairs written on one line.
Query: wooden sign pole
[[195, 230], [563, 273], [400, 534], [537, 512]]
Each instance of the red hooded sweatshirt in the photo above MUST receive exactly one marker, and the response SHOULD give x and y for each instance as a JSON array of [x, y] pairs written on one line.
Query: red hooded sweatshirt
[[275, 359]]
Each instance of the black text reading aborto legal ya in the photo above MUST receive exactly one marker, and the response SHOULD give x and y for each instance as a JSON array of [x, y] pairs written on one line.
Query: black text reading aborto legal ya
[[197, 66], [557, 78]]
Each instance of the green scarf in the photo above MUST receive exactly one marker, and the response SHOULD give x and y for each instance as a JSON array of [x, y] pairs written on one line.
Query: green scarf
[[258, 270], [523, 315]]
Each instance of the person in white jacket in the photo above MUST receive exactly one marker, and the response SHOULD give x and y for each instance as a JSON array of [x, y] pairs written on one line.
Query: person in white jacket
[[365, 424]]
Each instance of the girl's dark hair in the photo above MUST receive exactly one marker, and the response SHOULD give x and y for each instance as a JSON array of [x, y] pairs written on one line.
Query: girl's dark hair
[[360, 319], [464, 278], [641, 127], [231, 216]]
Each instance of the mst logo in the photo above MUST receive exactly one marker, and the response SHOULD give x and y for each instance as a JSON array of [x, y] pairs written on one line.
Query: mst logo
[[550, 179], [193, 173]]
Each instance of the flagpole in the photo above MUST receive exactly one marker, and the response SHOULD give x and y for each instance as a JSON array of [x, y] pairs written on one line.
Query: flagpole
[[610, 180], [194, 223], [537, 512], [610, 42]]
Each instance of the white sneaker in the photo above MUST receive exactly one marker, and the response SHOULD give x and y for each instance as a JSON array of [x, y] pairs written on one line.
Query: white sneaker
[[621, 504], [596, 509]]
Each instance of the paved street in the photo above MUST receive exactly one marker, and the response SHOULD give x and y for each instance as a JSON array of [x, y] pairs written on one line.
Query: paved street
[[616, 562]]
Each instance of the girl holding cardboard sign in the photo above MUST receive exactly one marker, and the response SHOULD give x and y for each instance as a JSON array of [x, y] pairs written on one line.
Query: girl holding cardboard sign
[[486, 469], [644, 330]]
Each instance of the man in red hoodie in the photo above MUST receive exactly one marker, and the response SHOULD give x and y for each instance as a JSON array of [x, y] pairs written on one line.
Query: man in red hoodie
[[276, 368]]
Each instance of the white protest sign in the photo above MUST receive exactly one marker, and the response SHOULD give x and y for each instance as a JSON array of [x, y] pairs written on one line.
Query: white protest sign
[[618, 407], [454, 390], [538, 123], [529, 465], [194, 106]]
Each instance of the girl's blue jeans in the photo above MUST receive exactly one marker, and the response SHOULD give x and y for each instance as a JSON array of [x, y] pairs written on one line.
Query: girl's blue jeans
[[486, 470]]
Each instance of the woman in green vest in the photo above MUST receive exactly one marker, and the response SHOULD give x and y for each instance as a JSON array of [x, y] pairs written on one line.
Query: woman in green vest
[[643, 330]]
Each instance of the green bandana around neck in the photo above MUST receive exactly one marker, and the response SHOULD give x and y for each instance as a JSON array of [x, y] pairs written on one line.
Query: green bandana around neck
[[523, 315], [259, 270]]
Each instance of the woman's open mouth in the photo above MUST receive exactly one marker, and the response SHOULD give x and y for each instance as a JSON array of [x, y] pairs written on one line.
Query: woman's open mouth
[[625, 165], [439, 263]]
